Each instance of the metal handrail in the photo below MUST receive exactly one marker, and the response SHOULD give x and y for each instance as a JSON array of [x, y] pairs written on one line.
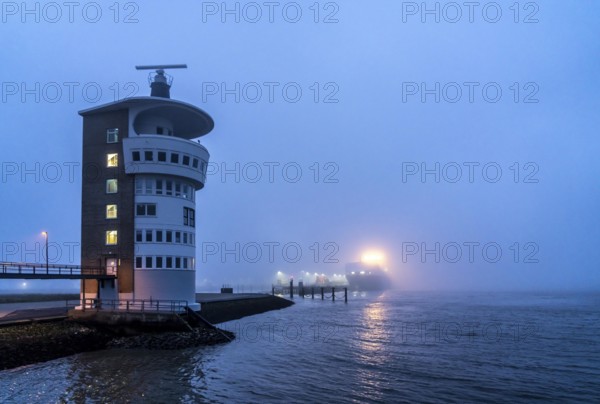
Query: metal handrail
[[135, 305]]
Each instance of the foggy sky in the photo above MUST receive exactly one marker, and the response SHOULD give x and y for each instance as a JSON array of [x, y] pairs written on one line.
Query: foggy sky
[[359, 189]]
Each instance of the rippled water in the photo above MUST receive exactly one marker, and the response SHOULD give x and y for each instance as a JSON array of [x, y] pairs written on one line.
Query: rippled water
[[394, 347]]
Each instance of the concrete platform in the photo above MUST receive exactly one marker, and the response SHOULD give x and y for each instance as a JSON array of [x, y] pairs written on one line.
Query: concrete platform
[[222, 307], [223, 297], [216, 308]]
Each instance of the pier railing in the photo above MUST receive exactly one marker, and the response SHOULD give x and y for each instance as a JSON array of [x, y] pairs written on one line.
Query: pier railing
[[135, 305]]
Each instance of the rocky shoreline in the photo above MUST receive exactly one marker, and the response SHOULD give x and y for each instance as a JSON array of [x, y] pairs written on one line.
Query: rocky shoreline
[[27, 344]]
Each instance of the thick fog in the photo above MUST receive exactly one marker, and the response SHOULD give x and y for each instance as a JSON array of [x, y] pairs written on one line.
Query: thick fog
[[460, 141]]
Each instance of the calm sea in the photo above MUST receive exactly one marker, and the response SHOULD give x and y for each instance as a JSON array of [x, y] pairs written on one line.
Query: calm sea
[[391, 347]]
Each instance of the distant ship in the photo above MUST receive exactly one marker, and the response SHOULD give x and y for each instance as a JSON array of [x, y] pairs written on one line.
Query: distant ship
[[363, 276]]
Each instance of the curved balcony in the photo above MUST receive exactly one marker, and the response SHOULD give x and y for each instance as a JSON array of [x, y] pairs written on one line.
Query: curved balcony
[[167, 155]]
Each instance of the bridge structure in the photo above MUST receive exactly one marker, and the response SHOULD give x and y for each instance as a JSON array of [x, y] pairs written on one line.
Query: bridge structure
[[25, 270]]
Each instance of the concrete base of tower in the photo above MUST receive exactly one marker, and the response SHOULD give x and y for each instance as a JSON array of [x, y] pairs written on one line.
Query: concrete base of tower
[[166, 284]]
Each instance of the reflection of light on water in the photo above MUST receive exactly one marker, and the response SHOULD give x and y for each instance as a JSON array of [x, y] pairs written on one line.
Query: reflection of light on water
[[373, 333], [371, 349]]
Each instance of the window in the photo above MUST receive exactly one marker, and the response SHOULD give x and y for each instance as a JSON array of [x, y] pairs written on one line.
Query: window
[[169, 236], [139, 186], [159, 262], [169, 262], [169, 188], [148, 155], [185, 262], [149, 184], [178, 237], [177, 262], [159, 130], [145, 209], [159, 187], [135, 156], [162, 156], [111, 186], [195, 163], [148, 236], [138, 236], [111, 237], [112, 160], [149, 262], [186, 160], [138, 262], [177, 189], [112, 135], [159, 236], [185, 238], [170, 132], [174, 158], [186, 191], [111, 211], [192, 238], [189, 217]]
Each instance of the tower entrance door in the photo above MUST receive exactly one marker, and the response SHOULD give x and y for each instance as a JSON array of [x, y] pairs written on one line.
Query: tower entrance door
[[111, 266]]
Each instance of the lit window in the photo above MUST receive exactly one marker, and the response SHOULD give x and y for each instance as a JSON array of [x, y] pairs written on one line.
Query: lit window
[[112, 160], [111, 186], [135, 155], [111, 237], [112, 135], [111, 211]]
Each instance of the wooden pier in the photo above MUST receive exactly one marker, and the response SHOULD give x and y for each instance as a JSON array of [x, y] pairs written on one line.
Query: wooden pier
[[324, 292]]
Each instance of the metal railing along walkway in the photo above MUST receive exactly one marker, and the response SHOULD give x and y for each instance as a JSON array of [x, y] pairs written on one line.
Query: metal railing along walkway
[[25, 270]]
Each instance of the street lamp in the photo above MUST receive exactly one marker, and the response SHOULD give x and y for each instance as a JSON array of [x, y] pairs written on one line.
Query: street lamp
[[45, 233]]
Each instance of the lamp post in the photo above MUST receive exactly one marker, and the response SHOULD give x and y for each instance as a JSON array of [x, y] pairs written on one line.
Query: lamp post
[[45, 233]]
